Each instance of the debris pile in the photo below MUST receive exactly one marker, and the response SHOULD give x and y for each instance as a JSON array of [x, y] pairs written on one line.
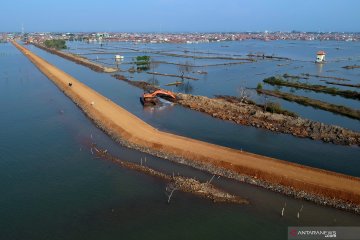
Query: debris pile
[[191, 185]]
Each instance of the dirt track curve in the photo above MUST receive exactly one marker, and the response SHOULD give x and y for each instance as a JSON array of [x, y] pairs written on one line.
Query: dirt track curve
[[121, 123]]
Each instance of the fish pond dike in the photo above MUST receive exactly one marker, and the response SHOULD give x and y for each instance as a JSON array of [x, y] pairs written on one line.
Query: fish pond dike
[[203, 127], [52, 186]]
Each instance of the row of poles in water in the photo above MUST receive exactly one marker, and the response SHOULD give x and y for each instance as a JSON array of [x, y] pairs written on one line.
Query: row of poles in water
[[298, 213]]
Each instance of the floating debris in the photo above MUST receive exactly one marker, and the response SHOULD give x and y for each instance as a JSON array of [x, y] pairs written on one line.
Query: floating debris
[[351, 67], [191, 185], [174, 84]]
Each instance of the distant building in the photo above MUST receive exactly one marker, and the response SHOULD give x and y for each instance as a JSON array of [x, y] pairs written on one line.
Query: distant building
[[119, 58], [320, 57], [102, 35]]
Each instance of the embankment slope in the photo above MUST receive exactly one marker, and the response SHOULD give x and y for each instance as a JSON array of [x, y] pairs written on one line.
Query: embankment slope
[[78, 59]]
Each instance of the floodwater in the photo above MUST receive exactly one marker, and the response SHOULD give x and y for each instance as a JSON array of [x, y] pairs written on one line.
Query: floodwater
[[230, 79], [52, 187]]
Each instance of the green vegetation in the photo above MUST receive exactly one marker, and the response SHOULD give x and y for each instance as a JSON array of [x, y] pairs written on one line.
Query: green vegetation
[[56, 43], [185, 87], [290, 76], [268, 107], [274, 107], [185, 68], [321, 76], [279, 81], [259, 86], [174, 84], [286, 75], [153, 81], [349, 112], [343, 84], [142, 63]]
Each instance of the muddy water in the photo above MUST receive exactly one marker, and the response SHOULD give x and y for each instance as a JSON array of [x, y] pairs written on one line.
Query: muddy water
[[52, 187]]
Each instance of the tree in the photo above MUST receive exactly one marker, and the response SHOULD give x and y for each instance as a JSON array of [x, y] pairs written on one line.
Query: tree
[[153, 66], [186, 87], [56, 43], [244, 94], [186, 67], [170, 189], [142, 63], [273, 107], [153, 81]]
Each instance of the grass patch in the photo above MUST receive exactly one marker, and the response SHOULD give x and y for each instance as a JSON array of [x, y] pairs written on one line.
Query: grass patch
[[339, 109], [343, 84], [279, 81], [271, 107]]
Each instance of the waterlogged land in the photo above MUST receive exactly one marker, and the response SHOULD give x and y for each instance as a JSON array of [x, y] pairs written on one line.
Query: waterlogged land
[[338, 190], [176, 182], [304, 128], [77, 59], [226, 76], [99, 200], [188, 87], [343, 84], [352, 113], [278, 81], [251, 114]]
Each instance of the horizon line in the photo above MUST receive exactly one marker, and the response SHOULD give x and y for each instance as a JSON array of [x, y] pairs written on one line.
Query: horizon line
[[182, 32]]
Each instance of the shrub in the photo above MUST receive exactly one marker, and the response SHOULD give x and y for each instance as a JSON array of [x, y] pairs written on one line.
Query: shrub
[[143, 63], [56, 43], [274, 107]]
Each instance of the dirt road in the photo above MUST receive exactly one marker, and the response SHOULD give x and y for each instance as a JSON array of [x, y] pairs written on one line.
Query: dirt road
[[122, 124]]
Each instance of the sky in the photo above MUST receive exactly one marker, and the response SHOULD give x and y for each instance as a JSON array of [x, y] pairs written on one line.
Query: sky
[[179, 15]]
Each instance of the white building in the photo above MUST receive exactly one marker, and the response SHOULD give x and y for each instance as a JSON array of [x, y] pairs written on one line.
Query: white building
[[320, 56]]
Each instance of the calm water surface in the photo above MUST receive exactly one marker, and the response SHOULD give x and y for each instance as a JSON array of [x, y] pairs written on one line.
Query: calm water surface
[[228, 79], [52, 187], [194, 124]]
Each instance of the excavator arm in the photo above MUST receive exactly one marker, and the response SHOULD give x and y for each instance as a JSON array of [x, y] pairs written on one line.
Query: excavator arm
[[159, 93]]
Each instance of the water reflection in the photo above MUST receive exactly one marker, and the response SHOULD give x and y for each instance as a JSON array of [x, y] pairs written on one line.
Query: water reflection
[[186, 87], [162, 106], [153, 81], [319, 68]]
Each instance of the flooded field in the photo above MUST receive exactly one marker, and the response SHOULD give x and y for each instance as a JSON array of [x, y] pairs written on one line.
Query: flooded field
[[227, 68], [52, 187]]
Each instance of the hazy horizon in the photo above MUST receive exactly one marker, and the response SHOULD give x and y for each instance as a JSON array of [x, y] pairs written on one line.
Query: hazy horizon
[[183, 32], [174, 16]]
